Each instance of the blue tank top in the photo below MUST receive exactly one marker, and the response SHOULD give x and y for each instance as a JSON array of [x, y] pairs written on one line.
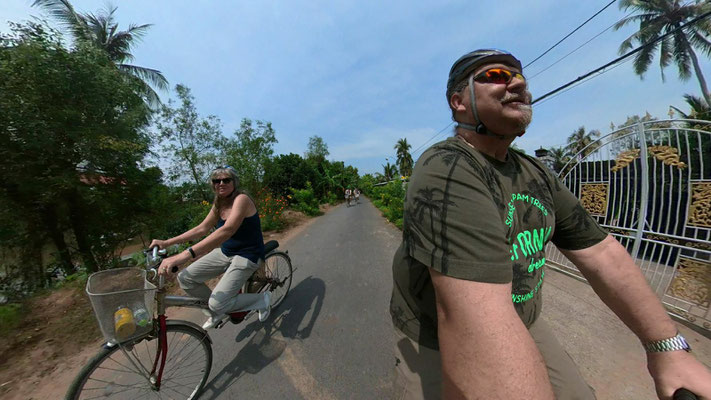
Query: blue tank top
[[247, 242]]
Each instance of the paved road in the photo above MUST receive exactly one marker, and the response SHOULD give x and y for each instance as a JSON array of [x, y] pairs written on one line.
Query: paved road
[[332, 337]]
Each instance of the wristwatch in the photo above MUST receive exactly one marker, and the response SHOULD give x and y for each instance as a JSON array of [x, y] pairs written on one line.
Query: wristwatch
[[670, 344]]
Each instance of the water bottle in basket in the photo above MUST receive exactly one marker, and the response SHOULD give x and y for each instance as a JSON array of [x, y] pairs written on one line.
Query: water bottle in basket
[[140, 315], [124, 324]]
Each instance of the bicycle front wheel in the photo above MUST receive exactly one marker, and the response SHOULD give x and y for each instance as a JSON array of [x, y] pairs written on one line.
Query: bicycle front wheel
[[277, 271], [123, 371]]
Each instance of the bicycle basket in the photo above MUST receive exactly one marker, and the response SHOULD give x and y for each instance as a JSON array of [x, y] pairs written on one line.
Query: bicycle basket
[[112, 292]]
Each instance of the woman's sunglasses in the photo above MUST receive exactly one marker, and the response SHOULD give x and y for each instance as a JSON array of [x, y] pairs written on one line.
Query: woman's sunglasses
[[498, 76], [223, 180]]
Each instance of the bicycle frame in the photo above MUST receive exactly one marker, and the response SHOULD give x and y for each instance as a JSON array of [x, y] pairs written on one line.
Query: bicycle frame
[[164, 301]]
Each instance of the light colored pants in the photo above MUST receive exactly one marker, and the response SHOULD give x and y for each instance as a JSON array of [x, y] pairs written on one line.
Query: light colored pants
[[418, 369], [224, 298]]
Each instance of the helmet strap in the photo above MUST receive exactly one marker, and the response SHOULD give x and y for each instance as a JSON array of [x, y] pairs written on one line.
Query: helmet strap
[[479, 128]]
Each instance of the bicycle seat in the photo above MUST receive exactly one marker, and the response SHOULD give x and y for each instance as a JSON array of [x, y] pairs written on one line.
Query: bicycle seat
[[270, 246]]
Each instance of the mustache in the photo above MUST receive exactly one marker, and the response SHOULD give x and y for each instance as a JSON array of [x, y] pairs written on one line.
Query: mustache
[[521, 97]]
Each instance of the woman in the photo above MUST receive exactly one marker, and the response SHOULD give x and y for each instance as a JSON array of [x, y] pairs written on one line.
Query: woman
[[235, 247]]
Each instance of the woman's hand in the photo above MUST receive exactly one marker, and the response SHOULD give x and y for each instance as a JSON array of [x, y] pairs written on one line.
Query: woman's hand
[[157, 242], [166, 267]]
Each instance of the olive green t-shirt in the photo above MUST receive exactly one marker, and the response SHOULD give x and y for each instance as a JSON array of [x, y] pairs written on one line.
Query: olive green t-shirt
[[473, 217]]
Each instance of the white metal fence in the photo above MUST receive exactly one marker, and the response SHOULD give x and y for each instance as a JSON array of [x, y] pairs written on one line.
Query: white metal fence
[[649, 185]]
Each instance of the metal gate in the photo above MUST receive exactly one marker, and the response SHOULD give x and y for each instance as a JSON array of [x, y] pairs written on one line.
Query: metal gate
[[649, 185]]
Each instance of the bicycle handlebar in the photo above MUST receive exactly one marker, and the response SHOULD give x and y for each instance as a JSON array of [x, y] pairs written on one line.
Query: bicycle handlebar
[[683, 394], [162, 253]]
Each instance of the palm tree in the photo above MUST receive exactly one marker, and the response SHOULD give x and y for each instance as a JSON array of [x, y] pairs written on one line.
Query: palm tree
[[560, 157], [389, 172], [579, 139], [699, 108], [102, 31], [656, 18], [404, 159]]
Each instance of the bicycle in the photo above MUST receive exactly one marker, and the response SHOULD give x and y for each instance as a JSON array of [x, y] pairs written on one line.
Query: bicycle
[[166, 358]]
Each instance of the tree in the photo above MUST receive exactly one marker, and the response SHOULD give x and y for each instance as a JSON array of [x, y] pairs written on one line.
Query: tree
[[579, 140], [287, 171], [515, 147], [101, 30], [404, 159], [73, 122], [699, 108], [389, 172], [317, 149], [560, 157], [192, 144], [658, 17], [249, 151]]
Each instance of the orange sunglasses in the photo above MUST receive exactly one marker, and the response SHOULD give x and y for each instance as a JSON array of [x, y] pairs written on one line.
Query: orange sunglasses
[[499, 76]]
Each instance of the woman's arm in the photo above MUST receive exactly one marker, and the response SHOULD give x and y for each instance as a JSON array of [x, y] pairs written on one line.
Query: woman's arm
[[240, 209], [193, 234]]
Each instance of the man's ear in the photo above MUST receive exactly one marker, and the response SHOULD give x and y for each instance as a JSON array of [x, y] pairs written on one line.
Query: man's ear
[[456, 102]]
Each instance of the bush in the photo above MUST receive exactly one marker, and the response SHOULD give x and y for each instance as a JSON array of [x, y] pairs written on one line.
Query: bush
[[10, 317], [331, 198], [271, 210], [389, 199], [305, 201]]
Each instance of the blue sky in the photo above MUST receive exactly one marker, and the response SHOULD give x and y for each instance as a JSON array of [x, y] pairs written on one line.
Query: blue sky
[[364, 74]]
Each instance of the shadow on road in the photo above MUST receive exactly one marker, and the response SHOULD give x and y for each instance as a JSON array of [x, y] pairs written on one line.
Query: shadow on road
[[264, 346]]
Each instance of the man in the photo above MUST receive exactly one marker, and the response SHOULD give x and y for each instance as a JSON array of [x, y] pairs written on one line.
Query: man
[[468, 274]]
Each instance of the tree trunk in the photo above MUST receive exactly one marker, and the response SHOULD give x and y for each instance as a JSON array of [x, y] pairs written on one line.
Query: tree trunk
[[78, 223], [699, 74], [49, 215]]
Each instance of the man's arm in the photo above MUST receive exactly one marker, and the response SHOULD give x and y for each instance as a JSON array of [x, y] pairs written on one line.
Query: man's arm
[[486, 350], [620, 284]]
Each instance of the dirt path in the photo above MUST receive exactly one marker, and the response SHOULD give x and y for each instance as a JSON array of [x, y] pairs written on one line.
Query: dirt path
[[60, 335]]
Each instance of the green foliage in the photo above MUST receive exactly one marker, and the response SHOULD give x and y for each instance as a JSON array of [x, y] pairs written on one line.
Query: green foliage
[[317, 149], [11, 316], [656, 18], [305, 201], [250, 150], [271, 210], [389, 199], [287, 171], [191, 144], [101, 31], [73, 121], [366, 182], [404, 159]]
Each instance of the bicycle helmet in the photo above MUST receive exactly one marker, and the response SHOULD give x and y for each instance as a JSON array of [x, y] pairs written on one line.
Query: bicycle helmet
[[463, 68]]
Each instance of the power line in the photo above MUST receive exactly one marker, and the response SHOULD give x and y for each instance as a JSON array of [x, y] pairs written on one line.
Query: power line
[[581, 82], [529, 78], [576, 49], [568, 35], [618, 59], [432, 138]]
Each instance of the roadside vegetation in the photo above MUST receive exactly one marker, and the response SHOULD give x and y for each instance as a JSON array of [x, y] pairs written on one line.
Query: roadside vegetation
[[93, 165]]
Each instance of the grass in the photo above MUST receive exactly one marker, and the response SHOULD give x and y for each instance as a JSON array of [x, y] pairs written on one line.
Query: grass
[[11, 316]]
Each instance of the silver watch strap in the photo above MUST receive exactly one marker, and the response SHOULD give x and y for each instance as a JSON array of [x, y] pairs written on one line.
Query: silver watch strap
[[670, 344]]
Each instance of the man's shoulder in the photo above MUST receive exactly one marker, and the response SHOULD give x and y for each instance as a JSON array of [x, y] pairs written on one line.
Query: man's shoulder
[[446, 151]]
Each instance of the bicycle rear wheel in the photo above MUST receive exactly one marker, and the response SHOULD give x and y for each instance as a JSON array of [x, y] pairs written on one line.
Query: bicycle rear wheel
[[122, 371], [277, 276]]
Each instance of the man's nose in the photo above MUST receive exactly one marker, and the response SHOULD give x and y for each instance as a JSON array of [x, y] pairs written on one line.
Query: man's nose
[[517, 84]]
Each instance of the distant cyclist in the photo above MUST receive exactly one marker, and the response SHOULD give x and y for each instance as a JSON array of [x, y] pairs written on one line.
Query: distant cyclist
[[356, 192], [469, 272], [349, 193], [234, 248]]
